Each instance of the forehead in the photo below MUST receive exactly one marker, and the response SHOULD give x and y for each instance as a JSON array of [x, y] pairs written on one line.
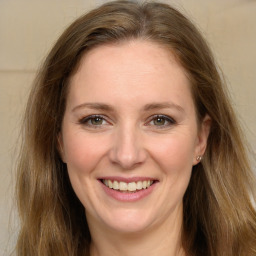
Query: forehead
[[131, 70]]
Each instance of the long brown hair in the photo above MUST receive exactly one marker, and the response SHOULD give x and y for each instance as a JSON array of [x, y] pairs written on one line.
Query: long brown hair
[[219, 217]]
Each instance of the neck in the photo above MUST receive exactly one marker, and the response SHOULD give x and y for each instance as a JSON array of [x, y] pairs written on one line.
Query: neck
[[159, 240]]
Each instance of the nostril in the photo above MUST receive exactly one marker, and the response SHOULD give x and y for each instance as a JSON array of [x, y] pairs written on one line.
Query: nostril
[[127, 151]]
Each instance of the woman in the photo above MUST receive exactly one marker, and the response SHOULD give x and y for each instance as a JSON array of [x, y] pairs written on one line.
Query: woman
[[130, 144]]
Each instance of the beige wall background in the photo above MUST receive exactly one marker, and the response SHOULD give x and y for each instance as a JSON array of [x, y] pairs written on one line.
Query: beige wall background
[[28, 28]]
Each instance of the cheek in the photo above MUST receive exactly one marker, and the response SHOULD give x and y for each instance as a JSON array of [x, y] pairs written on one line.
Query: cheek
[[175, 158], [175, 153], [82, 152]]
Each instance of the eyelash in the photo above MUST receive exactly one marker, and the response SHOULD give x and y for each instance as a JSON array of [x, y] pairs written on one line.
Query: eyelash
[[170, 121], [87, 121]]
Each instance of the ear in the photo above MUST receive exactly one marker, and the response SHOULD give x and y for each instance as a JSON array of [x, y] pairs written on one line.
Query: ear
[[60, 147], [201, 144]]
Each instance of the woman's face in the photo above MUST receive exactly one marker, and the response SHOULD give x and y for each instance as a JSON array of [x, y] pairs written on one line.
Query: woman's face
[[130, 136]]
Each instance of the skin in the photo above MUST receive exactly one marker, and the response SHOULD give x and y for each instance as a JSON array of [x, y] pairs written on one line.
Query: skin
[[131, 83]]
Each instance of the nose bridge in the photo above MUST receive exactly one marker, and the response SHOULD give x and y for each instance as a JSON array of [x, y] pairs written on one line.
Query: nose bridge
[[127, 149]]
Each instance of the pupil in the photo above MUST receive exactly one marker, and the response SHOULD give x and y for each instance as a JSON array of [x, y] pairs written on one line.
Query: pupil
[[159, 121], [97, 120]]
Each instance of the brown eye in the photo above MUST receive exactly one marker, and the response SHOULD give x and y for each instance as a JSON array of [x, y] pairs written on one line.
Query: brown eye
[[159, 121], [93, 121], [96, 121]]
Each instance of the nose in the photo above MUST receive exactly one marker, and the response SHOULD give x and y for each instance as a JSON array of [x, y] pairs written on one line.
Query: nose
[[127, 149]]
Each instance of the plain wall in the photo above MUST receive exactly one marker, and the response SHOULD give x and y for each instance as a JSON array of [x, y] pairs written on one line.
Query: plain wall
[[28, 28]]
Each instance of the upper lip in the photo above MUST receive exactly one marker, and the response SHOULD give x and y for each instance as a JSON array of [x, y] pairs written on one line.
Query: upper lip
[[127, 179]]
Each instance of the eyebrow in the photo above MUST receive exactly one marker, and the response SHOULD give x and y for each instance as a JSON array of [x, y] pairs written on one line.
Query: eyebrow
[[98, 106], [148, 107], [163, 105]]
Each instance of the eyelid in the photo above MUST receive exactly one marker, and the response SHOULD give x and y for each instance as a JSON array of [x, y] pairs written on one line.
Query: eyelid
[[171, 121], [84, 120]]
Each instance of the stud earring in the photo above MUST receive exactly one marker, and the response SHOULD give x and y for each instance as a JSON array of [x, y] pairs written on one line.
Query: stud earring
[[199, 158]]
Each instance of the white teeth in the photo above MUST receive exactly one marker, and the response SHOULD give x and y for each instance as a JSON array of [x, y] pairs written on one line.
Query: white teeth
[[115, 185], [131, 186], [123, 186], [139, 185]]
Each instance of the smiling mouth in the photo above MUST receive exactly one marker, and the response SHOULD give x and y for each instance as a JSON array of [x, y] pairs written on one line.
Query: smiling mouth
[[127, 187]]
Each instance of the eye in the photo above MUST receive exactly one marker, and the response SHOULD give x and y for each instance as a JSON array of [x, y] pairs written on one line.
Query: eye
[[96, 121], [93, 121], [161, 121]]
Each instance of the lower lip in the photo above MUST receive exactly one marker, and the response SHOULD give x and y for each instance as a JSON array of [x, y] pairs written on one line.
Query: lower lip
[[128, 196]]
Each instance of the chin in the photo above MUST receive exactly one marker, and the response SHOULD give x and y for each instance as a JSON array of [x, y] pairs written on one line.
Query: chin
[[127, 221]]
